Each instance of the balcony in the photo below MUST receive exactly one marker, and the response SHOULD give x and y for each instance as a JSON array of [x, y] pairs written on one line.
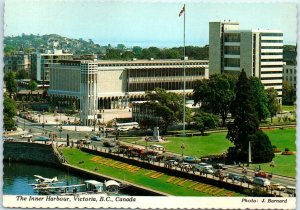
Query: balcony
[[163, 79]]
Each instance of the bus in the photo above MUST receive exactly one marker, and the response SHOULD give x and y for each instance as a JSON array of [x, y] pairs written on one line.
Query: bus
[[127, 126]]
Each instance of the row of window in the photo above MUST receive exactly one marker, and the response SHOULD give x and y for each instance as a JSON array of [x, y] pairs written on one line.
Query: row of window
[[272, 53], [291, 71], [267, 60], [291, 78], [271, 78], [165, 72], [232, 50], [153, 64], [139, 87], [271, 72], [271, 34], [232, 62], [271, 66], [272, 41]]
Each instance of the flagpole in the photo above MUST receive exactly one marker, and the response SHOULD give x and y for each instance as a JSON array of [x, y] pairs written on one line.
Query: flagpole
[[184, 72]]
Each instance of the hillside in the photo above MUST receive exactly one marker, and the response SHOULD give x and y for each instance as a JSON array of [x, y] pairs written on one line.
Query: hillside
[[32, 43]]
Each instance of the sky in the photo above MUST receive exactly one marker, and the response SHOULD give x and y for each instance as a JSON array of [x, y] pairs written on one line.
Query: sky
[[143, 23]]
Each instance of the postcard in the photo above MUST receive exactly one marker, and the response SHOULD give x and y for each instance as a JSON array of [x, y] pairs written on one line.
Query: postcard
[[153, 104]]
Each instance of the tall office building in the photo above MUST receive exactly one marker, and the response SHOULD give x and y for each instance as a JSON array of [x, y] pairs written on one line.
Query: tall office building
[[258, 52], [40, 63]]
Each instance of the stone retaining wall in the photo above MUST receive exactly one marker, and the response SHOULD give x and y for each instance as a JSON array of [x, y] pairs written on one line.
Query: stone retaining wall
[[30, 152]]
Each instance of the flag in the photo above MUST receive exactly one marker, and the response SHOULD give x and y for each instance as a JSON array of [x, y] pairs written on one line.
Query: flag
[[182, 11]]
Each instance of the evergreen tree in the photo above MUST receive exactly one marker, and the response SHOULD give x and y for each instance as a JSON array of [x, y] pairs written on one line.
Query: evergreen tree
[[245, 119], [261, 99]]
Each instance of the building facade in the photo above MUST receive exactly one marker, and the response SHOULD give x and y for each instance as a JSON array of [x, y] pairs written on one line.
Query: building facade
[[258, 52], [40, 63], [290, 74], [113, 84], [18, 61]]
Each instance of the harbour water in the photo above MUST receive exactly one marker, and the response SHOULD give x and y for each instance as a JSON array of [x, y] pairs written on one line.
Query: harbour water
[[17, 177]]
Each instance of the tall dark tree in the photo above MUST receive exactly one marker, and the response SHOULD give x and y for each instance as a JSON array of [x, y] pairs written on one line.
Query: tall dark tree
[[215, 94], [273, 104], [288, 93], [261, 148], [10, 82], [260, 98], [245, 117]]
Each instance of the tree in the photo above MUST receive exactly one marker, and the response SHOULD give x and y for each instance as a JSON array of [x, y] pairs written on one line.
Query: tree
[[288, 93], [205, 121], [10, 82], [273, 104], [261, 148], [260, 97], [166, 105], [245, 118], [215, 94], [32, 86], [21, 74], [9, 111]]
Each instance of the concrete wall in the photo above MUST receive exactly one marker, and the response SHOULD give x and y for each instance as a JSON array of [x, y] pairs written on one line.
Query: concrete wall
[[30, 152], [214, 47], [246, 53], [112, 81]]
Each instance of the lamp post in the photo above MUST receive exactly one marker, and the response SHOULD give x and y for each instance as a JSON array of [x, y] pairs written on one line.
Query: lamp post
[[75, 122], [182, 148], [43, 123]]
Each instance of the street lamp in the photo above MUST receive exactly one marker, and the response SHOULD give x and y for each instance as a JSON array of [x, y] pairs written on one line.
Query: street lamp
[[182, 148]]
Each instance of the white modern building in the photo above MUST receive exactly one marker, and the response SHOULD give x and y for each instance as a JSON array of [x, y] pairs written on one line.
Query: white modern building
[[258, 52], [40, 63], [113, 84]]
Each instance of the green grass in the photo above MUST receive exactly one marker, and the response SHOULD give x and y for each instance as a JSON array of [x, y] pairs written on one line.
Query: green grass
[[284, 165], [283, 138], [216, 143], [288, 108], [74, 156]]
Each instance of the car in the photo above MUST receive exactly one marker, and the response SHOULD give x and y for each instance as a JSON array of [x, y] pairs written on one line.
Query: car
[[261, 174], [26, 135], [83, 141], [173, 162], [109, 144], [291, 190], [276, 186], [123, 129], [246, 179], [220, 173], [234, 177], [190, 159], [8, 138], [200, 166], [208, 170], [42, 138], [220, 166], [261, 182], [96, 138]]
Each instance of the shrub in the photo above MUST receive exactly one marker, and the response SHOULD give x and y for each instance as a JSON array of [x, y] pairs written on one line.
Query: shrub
[[276, 150], [286, 149], [287, 153]]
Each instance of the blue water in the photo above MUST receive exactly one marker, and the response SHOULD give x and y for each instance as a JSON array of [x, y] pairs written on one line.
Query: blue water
[[17, 177]]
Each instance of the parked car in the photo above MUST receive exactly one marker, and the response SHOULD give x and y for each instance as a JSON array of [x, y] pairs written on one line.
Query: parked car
[[42, 138], [276, 186], [246, 179], [234, 177], [220, 173], [26, 135], [109, 144], [208, 170], [261, 182], [200, 166], [291, 190], [84, 141], [173, 162], [190, 159], [8, 138], [220, 166], [96, 138], [261, 174]]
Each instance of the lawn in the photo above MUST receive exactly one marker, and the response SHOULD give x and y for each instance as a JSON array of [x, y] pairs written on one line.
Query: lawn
[[216, 143], [283, 138], [288, 108], [284, 165], [141, 176]]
